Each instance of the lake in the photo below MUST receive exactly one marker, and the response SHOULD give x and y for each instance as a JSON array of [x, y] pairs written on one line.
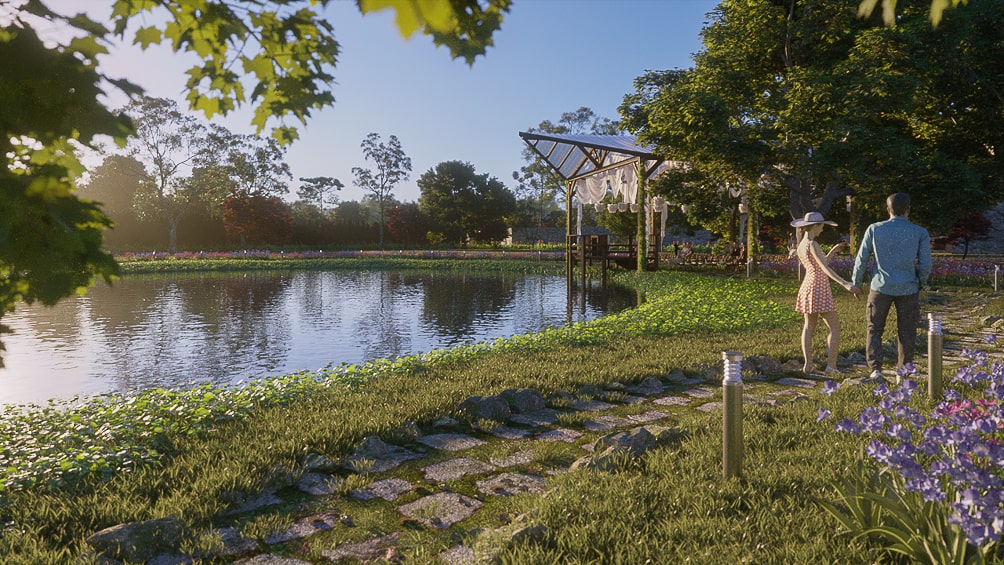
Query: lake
[[151, 331]]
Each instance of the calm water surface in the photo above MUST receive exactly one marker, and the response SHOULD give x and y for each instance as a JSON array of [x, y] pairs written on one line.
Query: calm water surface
[[172, 330]]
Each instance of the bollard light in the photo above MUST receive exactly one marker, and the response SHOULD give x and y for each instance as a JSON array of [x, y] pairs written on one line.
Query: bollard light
[[934, 345], [732, 415]]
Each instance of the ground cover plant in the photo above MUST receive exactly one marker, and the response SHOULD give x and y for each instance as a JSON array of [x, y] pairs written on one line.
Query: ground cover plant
[[212, 446]]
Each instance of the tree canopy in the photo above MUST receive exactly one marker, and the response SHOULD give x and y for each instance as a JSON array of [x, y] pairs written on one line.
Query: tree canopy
[[802, 103], [463, 205]]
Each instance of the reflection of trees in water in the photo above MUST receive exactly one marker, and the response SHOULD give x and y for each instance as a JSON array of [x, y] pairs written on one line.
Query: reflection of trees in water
[[382, 327], [168, 331], [454, 302]]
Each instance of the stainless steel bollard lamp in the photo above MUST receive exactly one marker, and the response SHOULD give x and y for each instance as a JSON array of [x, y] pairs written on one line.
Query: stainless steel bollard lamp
[[732, 415], [934, 345]]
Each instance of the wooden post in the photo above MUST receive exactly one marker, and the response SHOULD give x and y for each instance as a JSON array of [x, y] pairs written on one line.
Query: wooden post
[[640, 238], [569, 273]]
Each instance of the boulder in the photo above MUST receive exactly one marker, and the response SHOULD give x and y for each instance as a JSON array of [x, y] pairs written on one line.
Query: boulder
[[523, 400], [137, 542], [486, 407]]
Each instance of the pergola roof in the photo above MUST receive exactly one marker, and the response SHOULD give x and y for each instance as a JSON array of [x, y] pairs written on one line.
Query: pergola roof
[[577, 156]]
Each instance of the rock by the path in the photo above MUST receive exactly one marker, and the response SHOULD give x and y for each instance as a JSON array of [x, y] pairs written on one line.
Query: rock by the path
[[138, 541], [544, 417], [523, 400], [319, 463], [486, 407], [318, 484], [648, 387], [441, 510]]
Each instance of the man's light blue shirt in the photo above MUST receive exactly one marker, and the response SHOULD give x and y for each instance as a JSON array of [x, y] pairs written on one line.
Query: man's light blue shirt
[[902, 252]]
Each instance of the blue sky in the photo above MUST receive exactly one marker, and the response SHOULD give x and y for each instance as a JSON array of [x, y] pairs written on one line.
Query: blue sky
[[551, 56]]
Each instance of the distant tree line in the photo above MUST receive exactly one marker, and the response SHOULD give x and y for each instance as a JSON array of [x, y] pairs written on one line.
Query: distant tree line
[[182, 184]]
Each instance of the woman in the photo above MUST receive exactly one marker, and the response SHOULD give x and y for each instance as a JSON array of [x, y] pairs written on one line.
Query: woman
[[815, 299]]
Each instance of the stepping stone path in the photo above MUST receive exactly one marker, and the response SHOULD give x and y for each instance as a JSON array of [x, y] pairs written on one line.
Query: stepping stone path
[[445, 477]]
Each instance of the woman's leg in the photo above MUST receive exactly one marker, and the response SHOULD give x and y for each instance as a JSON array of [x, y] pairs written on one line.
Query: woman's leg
[[807, 330], [832, 340]]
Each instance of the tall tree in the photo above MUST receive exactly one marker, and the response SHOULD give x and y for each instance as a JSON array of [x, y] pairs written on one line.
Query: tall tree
[[392, 168], [319, 191], [463, 205], [166, 141]]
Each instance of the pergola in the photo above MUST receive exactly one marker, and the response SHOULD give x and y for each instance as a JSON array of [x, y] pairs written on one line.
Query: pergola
[[594, 166]]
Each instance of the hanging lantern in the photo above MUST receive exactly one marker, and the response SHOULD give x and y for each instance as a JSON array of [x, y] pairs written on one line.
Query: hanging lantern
[[623, 206], [611, 208], [600, 206], [634, 208]]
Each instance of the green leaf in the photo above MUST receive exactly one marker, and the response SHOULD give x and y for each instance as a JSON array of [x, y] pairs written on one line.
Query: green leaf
[[147, 36]]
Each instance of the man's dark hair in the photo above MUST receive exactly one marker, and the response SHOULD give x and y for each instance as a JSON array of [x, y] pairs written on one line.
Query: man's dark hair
[[899, 203]]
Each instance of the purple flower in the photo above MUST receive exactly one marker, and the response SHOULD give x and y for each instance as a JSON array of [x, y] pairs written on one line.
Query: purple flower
[[847, 425], [872, 420], [829, 387], [990, 338], [878, 451], [823, 414]]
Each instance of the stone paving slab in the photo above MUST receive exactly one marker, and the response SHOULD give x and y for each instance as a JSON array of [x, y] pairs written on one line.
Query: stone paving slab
[[631, 399], [540, 418], [509, 484], [387, 489], [650, 416], [509, 432], [305, 527], [519, 458], [450, 442], [603, 423], [370, 550], [458, 555], [560, 434], [454, 469], [797, 382], [700, 392], [269, 559], [710, 406], [441, 510], [589, 405], [672, 401]]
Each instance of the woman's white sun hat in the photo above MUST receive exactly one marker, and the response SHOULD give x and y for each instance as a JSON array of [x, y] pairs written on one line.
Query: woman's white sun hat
[[812, 218]]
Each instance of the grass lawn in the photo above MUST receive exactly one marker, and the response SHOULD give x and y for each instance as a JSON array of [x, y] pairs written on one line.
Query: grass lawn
[[671, 506]]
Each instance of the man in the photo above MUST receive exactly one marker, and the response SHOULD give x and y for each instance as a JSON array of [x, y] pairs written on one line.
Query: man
[[902, 257]]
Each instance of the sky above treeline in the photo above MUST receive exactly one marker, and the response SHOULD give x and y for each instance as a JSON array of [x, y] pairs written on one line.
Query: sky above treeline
[[550, 57]]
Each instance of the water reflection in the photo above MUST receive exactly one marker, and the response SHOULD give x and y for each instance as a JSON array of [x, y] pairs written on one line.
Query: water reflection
[[171, 330]]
